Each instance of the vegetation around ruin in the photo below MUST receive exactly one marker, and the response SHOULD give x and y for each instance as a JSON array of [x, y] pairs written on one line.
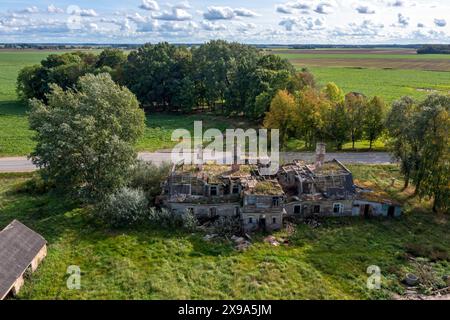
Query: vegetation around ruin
[[328, 260]]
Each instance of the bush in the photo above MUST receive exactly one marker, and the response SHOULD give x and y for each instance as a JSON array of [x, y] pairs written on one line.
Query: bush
[[124, 207], [148, 177], [36, 186], [434, 253], [227, 226], [167, 219]]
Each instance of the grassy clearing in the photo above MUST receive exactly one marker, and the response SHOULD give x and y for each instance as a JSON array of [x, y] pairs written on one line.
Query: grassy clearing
[[328, 262], [15, 138], [360, 146]]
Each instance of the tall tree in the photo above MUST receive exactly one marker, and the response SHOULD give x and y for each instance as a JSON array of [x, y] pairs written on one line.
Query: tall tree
[[373, 119], [281, 114], [433, 172], [63, 69], [155, 73], [404, 136], [338, 128], [311, 113], [334, 93], [85, 138], [355, 105]]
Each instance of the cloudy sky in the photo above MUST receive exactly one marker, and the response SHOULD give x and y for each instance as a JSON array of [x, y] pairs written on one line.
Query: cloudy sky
[[250, 21]]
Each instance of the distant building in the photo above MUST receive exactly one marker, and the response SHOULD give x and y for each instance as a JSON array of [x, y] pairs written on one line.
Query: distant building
[[262, 202], [21, 251]]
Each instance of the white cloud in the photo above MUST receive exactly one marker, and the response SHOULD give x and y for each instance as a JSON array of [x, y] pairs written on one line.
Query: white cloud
[[367, 28], [402, 20], [365, 9], [227, 13], [53, 9], [32, 9], [212, 26], [174, 15], [440, 22], [179, 20], [150, 5], [219, 13], [397, 3], [301, 24], [183, 5], [285, 9], [243, 12], [75, 10], [324, 8]]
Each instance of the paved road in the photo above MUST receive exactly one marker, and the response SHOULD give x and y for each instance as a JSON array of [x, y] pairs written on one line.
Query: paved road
[[22, 164]]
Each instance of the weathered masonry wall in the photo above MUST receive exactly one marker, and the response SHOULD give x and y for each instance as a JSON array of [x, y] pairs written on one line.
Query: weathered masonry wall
[[375, 209], [331, 208], [221, 209]]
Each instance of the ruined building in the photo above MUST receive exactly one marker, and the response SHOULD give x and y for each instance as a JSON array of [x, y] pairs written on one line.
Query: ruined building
[[324, 188]]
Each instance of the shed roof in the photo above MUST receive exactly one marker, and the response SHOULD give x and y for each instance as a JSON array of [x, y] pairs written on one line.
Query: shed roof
[[19, 245]]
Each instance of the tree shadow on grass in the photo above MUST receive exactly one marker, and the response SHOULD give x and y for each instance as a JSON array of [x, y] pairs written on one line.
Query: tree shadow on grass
[[13, 108]]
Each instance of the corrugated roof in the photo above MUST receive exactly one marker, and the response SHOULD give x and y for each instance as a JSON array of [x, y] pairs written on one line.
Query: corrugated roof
[[19, 245]]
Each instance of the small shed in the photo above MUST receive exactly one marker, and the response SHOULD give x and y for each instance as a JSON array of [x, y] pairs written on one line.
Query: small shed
[[21, 251]]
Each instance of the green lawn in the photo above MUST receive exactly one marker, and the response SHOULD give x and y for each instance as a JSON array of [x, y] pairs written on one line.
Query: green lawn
[[328, 262], [360, 146], [388, 84]]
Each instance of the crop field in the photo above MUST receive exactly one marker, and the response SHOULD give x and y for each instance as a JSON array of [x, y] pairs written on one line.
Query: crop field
[[389, 73], [327, 262], [362, 71]]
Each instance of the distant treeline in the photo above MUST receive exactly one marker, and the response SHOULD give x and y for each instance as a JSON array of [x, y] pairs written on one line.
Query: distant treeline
[[127, 46], [435, 49], [63, 46]]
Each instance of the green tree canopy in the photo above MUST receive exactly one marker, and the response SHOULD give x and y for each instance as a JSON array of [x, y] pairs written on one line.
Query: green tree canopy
[[373, 119], [85, 137]]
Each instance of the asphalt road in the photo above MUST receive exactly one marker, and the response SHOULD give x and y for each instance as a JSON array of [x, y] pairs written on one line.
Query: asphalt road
[[22, 164]]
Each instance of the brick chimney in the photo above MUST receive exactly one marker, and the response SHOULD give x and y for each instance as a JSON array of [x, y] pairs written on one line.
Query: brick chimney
[[320, 154]]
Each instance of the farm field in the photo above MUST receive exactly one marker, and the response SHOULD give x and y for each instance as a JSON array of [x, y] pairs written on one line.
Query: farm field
[[327, 262], [389, 73], [16, 139]]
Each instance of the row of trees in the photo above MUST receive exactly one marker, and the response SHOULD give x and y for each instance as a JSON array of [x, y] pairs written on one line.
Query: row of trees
[[434, 49], [64, 70], [233, 78], [326, 115], [420, 139]]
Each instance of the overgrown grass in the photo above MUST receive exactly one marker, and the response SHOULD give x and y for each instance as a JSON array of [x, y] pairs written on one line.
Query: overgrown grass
[[328, 262], [360, 146]]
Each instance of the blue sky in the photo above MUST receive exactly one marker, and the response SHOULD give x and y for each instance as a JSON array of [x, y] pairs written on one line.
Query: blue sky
[[250, 21]]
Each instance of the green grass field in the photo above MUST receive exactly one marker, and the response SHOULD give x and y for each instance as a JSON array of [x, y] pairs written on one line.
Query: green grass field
[[390, 75], [16, 139], [328, 262]]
